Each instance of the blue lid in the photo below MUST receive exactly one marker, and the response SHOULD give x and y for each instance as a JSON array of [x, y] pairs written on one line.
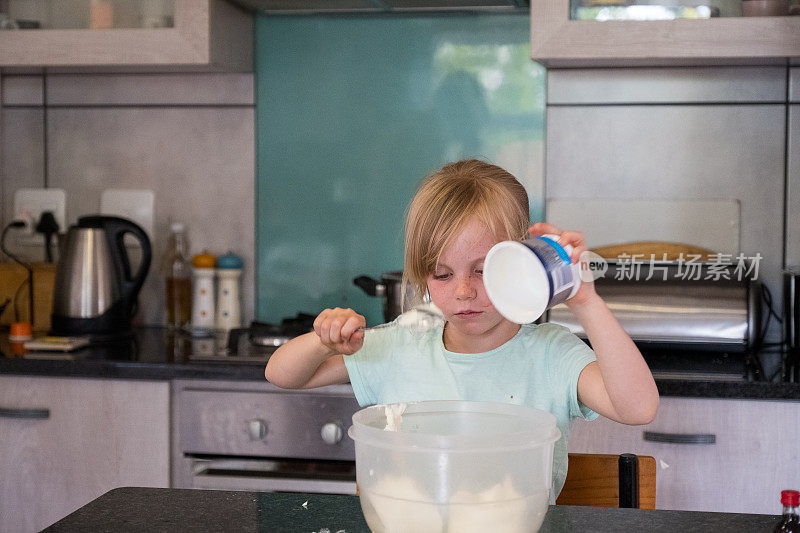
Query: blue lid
[[229, 261]]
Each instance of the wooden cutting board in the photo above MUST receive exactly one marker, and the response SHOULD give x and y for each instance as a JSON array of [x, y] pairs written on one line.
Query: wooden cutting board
[[668, 251]]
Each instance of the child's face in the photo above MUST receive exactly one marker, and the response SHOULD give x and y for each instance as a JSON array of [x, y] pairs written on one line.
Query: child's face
[[456, 285]]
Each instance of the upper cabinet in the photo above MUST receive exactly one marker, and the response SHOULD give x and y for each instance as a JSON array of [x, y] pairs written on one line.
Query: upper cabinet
[[120, 35], [300, 7], [588, 33]]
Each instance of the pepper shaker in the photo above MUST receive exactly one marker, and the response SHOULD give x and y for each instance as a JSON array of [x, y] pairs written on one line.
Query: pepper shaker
[[229, 270]]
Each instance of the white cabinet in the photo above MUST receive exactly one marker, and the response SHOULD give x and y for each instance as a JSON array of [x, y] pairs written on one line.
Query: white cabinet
[[65, 441], [754, 455], [207, 35]]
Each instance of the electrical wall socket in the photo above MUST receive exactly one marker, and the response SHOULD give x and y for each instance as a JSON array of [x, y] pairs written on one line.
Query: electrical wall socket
[[29, 204]]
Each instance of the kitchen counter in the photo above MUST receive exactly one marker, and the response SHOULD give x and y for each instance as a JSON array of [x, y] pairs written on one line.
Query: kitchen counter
[[157, 354], [154, 353], [146, 509]]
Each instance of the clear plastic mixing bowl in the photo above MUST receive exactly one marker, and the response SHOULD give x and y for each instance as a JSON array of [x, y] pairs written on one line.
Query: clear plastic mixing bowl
[[454, 466]]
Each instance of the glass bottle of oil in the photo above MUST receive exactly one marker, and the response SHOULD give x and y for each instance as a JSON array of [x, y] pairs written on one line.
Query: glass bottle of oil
[[178, 275]]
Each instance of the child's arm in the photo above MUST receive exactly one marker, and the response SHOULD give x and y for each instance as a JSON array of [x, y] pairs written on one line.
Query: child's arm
[[619, 384], [316, 358]]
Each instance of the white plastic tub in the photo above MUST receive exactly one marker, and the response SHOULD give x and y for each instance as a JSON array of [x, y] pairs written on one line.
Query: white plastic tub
[[454, 466]]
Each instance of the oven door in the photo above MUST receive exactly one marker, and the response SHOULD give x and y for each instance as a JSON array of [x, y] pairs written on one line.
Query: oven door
[[327, 477], [254, 436]]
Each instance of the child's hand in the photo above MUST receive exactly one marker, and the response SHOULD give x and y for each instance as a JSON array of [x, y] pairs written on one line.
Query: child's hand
[[338, 329], [578, 243]]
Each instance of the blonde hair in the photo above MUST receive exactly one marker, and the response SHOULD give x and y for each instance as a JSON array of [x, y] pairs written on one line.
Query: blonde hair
[[447, 201]]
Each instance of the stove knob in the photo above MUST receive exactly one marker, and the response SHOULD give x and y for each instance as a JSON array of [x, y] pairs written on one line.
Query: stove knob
[[332, 433], [257, 429]]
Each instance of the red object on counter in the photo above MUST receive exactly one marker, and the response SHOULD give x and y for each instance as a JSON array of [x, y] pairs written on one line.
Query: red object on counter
[[20, 331], [790, 498], [790, 523], [18, 349]]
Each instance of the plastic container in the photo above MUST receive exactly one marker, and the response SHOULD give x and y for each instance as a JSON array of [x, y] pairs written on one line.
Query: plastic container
[[524, 279], [454, 466]]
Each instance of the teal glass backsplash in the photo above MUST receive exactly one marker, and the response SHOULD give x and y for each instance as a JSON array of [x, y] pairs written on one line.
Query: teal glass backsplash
[[352, 113]]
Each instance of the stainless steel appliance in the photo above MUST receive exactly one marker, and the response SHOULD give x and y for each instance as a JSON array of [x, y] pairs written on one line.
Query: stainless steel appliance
[[255, 436], [95, 292], [390, 288], [671, 310]]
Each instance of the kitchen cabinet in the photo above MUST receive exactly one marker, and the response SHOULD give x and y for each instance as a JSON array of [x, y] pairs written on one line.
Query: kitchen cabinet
[[557, 40], [64, 442], [725, 455], [206, 35]]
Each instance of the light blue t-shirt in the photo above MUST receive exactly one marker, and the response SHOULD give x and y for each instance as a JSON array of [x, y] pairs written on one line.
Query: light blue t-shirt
[[538, 367]]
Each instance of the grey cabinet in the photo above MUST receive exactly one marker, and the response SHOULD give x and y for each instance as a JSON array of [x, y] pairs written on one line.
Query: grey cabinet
[[711, 454], [207, 35], [64, 442], [559, 41]]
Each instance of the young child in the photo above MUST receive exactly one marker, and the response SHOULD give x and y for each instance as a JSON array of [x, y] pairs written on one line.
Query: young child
[[457, 215]]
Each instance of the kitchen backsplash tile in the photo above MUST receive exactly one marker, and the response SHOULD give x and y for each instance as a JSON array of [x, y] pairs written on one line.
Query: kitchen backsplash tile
[[352, 113], [22, 90], [607, 222], [679, 152], [666, 85], [142, 131], [22, 164], [198, 161], [150, 89], [189, 138]]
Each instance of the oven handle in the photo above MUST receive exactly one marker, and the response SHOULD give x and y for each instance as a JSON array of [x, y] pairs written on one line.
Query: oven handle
[[259, 476]]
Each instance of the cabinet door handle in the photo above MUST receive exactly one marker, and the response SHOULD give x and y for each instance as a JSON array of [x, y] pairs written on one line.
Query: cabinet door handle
[[680, 438], [24, 413]]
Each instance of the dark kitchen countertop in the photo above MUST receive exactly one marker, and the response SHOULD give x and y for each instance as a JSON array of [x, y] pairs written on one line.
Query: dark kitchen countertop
[[198, 511], [158, 354], [155, 353]]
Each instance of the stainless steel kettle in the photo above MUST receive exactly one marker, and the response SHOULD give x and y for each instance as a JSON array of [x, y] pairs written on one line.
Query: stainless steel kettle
[[95, 293]]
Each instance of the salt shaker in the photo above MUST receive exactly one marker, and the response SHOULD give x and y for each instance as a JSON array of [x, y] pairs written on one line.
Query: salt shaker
[[229, 270], [203, 293]]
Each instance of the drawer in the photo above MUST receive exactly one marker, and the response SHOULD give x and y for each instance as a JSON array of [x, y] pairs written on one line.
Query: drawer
[[743, 470], [265, 424]]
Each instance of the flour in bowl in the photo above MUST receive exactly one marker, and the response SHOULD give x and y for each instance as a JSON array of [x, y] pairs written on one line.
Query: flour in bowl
[[394, 416], [396, 505], [499, 509]]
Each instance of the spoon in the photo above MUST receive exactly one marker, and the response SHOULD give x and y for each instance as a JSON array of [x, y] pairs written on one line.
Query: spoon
[[420, 318]]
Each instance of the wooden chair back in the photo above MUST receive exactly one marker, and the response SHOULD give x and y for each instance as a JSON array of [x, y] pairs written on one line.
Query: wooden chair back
[[594, 480]]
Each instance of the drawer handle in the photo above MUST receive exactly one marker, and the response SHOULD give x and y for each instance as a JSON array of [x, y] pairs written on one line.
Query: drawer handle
[[6, 412], [680, 438]]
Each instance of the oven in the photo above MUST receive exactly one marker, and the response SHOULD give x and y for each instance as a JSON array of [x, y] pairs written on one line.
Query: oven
[[255, 436]]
